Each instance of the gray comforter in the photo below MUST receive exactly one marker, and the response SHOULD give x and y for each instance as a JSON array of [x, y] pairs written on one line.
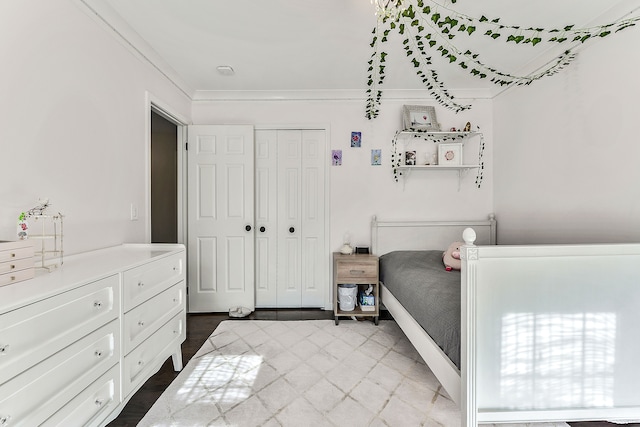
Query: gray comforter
[[431, 294]]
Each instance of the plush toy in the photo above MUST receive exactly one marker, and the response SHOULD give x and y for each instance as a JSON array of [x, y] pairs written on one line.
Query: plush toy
[[451, 257]]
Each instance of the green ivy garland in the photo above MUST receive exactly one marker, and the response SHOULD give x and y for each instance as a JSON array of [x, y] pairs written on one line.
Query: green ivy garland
[[431, 28]]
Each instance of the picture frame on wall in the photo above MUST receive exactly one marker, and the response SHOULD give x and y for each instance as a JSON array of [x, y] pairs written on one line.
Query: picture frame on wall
[[356, 139], [376, 157], [336, 157], [420, 118], [450, 154]]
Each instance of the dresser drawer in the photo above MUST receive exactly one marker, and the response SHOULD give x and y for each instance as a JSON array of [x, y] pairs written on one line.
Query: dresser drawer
[[16, 262], [11, 251], [356, 271], [145, 281], [36, 394], [17, 276], [146, 318], [31, 334], [17, 265], [148, 357], [93, 404]]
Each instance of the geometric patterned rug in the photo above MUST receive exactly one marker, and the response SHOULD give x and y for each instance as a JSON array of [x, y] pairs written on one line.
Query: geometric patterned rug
[[305, 373]]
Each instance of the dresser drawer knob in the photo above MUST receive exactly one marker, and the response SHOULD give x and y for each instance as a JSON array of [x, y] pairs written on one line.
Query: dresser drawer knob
[[99, 402], [140, 362], [98, 353], [140, 323], [140, 283], [97, 304], [4, 349], [12, 267], [4, 420]]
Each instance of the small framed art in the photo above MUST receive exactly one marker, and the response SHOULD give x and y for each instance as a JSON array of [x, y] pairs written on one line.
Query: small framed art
[[450, 154], [410, 158], [420, 117], [356, 139], [376, 156], [336, 157]]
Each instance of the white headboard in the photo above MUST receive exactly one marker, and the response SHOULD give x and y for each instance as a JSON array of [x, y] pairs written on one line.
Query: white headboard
[[387, 236]]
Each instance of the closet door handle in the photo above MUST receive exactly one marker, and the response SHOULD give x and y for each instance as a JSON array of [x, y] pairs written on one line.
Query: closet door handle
[[291, 229], [263, 229], [248, 227]]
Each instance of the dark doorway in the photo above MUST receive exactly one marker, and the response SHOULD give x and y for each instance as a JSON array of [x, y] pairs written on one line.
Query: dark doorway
[[164, 180]]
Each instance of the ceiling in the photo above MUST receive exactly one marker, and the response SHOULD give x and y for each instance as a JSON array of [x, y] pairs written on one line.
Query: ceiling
[[279, 47]]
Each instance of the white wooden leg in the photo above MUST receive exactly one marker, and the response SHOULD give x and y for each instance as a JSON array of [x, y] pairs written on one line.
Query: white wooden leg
[[177, 360]]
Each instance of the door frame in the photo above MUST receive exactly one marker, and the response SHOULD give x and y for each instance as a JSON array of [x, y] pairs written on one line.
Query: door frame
[[152, 103], [328, 297]]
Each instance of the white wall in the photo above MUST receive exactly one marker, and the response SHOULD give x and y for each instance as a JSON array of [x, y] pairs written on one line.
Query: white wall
[[357, 189], [567, 151], [73, 123]]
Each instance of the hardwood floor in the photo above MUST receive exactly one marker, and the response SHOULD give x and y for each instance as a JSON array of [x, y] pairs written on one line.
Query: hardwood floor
[[199, 327]]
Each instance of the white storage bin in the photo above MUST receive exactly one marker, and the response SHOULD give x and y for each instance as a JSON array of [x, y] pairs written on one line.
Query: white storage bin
[[347, 296]]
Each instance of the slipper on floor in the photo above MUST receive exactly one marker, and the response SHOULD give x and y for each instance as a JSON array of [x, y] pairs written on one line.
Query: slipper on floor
[[239, 312]]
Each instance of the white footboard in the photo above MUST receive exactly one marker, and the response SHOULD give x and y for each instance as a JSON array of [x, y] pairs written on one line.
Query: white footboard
[[550, 333]]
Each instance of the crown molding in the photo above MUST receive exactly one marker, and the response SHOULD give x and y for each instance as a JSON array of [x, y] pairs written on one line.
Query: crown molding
[[113, 23], [328, 95]]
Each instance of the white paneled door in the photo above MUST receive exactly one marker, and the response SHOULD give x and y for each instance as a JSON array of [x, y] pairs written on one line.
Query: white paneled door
[[291, 264], [221, 218]]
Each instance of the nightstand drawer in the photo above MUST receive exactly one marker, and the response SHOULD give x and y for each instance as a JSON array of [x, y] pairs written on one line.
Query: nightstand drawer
[[356, 270]]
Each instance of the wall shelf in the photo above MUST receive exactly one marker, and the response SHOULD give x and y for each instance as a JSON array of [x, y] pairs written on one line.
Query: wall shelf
[[440, 134], [439, 167], [406, 141]]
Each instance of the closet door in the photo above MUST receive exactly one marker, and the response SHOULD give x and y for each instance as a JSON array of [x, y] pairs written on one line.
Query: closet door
[[220, 218], [266, 211], [291, 269], [315, 257], [289, 233]]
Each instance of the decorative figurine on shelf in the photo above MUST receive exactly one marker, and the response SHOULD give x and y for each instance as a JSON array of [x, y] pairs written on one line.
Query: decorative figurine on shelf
[[434, 159], [453, 129], [467, 127]]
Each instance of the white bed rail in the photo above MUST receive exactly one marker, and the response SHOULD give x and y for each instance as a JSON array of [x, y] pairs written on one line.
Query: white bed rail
[[550, 333]]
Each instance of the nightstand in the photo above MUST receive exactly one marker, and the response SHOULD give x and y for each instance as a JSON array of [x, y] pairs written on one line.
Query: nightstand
[[359, 269]]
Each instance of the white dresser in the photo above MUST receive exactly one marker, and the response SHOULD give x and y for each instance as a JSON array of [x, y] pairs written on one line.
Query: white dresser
[[76, 343]]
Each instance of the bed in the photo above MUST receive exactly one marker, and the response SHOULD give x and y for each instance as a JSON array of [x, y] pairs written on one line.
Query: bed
[[541, 333]]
